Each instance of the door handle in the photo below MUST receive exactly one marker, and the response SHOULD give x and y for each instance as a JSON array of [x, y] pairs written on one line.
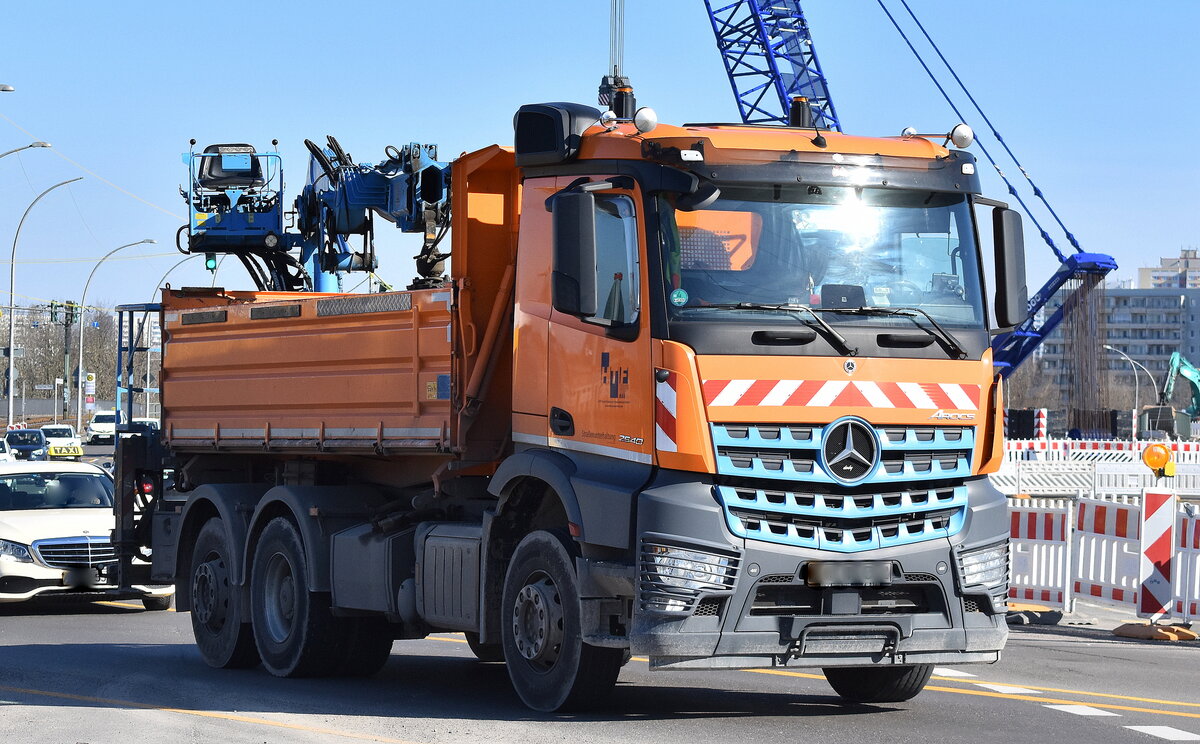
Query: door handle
[[561, 423]]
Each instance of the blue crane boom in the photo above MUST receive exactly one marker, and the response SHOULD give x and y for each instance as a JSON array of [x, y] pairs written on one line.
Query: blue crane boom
[[770, 59]]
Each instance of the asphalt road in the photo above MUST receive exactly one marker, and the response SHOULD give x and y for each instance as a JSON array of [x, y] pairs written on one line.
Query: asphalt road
[[111, 672]]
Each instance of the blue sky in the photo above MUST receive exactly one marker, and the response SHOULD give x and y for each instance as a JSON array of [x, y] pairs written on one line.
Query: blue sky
[[1098, 98]]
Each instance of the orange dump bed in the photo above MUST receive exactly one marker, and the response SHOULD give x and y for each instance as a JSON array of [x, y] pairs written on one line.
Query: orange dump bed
[[303, 372]]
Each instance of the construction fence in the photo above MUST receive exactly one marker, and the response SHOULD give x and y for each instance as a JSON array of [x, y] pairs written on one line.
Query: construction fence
[[1065, 467], [1137, 552]]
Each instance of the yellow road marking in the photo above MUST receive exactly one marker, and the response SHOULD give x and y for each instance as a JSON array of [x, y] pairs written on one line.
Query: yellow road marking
[[204, 714], [1012, 696], [129, 605]]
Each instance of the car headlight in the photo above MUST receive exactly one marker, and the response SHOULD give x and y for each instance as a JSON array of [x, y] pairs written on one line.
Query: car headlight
[[38, 452], [986, 566], [14, 552]]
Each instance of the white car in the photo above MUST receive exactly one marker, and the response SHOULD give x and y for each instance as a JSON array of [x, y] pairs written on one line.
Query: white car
[[103, 426], [5, 455], [55, 525], [62, 442]]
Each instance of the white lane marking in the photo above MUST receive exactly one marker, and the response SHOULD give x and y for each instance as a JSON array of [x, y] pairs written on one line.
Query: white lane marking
[[1166, 732], [1008, 689], [1083, 710], [946, 672]]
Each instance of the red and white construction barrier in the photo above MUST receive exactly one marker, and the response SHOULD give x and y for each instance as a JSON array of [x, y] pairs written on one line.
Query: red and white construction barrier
[[1138, 552], [21, 425], [1040, 428], [1158, 554]]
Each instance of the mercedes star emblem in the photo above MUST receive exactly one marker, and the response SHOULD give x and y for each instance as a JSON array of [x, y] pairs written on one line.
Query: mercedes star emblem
[[850, 450], [850, 366]]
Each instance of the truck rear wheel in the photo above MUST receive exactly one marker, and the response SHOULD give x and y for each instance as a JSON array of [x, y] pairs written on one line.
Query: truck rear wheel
[[224, 641], [891, 684], [295, 632], [549, 664]]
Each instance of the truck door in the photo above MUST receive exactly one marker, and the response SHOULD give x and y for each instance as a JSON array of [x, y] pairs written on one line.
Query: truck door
[[600, 394]]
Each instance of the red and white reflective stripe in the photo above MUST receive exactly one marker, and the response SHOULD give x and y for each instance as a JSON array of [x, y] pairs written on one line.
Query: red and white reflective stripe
[[1037, 595], [1029, 525], [1189, 533], [1113, 520], [841, 393], [664, 414], [1105, 592], [1158, 550], [14, 427]]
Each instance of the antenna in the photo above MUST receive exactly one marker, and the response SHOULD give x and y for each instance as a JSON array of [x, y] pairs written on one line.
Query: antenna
[[616, 93], [616, 38]]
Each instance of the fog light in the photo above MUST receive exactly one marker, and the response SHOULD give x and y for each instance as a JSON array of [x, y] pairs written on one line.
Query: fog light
[[987, 566]]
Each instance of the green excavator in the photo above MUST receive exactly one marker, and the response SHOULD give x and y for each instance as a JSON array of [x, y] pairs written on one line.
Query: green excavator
[[1165, 418]]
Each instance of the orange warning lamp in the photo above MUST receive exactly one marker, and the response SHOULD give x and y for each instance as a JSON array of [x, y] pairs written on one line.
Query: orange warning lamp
[[1158, 458]]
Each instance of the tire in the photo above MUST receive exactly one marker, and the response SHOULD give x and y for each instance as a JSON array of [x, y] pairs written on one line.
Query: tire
[[225, 642], [484, 651], [158, 604], [891, 684], [366, 646], [550, 666], [294, 631]]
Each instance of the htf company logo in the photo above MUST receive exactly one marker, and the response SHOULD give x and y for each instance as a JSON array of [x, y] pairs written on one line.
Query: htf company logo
[[616, 379]]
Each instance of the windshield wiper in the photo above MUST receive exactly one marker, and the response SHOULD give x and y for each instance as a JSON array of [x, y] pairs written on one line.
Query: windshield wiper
[[829, 331], [948, 342]]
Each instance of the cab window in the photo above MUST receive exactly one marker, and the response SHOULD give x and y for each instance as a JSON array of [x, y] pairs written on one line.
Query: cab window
[[617, 279]]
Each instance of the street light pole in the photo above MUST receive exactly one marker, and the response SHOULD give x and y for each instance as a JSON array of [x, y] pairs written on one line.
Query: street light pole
[[12, 286], [82, 307], [1135, 367], [25, 147]]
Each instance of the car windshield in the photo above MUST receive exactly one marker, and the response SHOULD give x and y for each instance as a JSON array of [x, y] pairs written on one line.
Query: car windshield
[[54, 490], [824, 248], [24, 438], [58, 432], [104, 418]]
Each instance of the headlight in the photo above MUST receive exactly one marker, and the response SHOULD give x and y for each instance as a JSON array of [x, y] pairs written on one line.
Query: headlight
[[672, 578], [986, 566], [12, 551], [38, 452]]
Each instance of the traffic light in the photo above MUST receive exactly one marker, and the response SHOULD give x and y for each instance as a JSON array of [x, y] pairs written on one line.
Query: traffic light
[[53, 311], [210, 261]]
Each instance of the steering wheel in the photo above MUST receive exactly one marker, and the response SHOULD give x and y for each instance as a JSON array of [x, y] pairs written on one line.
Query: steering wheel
[[904, 292]]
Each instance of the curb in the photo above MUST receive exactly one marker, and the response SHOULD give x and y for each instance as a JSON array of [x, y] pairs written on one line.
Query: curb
[[1148, 632]]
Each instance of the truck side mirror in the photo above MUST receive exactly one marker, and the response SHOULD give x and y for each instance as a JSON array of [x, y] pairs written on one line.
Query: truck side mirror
[[573, 282], [1012, 294]]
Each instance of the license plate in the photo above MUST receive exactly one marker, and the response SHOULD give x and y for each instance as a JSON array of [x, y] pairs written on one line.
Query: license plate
[[848, 573], [81, 578]]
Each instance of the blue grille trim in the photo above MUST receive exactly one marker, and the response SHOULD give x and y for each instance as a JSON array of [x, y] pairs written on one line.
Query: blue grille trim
[[941, 515], [803, 444]]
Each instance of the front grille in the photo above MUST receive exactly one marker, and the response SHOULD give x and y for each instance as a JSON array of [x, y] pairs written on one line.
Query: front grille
[[971, 605], [75, 552], [843, 523], [921, 577], [776, 579], [710, 607], [794, 452], [797, 599]]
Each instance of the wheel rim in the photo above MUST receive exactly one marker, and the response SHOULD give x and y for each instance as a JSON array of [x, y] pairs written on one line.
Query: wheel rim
[[210, 586], [279, 598], [538, 622]]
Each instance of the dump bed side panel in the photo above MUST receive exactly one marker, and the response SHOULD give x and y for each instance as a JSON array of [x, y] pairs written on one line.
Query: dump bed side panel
[[303, 372]]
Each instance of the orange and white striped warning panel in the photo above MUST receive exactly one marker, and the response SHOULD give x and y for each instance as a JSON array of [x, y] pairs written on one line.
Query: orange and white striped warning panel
[[841, 393], [664, 414], [1187, 565], [1156, 593]]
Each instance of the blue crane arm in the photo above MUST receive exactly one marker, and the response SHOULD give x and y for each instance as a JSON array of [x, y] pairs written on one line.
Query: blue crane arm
[[1010, 349], [770, 59]]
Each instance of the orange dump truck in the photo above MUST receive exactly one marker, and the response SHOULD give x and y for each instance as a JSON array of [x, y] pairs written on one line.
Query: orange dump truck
[[717, 395]]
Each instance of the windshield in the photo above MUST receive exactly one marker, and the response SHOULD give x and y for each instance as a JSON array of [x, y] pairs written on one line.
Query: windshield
[[51, 490], [104, 418], [58, 432], [25, 437], [825, 248]]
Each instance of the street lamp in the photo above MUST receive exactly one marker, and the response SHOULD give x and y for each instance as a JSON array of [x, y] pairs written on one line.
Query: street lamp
[[1135, 366], [25, 147], [12, 285], [82, 302]]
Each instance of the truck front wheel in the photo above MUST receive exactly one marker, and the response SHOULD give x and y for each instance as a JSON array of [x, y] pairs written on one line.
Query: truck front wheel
[[549, 664], [225, 642], [296, 634], [891, 684]]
